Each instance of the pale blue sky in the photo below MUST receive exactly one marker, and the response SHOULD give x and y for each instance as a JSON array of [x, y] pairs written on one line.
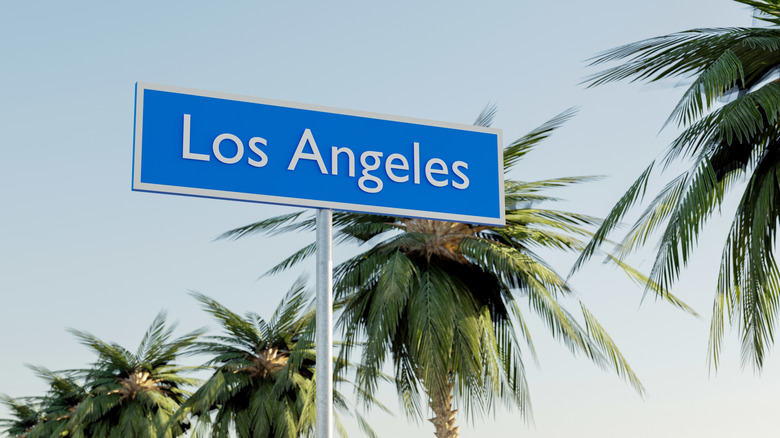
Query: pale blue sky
[[79, 249]]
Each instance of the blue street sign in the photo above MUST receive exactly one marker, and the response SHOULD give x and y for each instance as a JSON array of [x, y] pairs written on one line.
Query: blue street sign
[[217, 145]]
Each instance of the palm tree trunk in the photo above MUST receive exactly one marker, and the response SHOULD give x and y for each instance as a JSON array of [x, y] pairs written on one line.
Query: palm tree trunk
[[444, 415]]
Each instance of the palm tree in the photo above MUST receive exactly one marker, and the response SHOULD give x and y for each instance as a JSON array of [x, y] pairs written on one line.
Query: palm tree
[[134, 395], [732, 144], [47, 416], [264, 383], [442, 299], [63, 398], [26, 416]]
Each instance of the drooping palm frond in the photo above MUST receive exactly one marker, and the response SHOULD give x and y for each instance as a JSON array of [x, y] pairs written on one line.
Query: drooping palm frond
[[748, 287], [613, 356], [732, 145], [634, 194], [700, 195]]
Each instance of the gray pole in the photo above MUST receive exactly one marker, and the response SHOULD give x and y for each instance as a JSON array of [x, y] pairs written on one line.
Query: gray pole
[[324, 349]]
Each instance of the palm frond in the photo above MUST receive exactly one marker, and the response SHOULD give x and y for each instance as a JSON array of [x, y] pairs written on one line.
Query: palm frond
[[272, 226], [645, 281], [486, 116], [520, 147], [297, 257], [657, 58], [715, 80], [748, 288], [770, 10], [613, 355], [231, 322], [634, 194], [700, 194]]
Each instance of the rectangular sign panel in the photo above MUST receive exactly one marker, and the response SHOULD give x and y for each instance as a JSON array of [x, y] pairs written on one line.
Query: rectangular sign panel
[[217, 145]]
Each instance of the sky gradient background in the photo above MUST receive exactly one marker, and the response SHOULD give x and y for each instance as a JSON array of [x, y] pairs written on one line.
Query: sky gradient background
[[79, 249]]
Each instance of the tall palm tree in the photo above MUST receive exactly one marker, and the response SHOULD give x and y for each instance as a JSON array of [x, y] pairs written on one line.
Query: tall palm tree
[[442, 299], [264, 382], [133, 395], [731, 138]]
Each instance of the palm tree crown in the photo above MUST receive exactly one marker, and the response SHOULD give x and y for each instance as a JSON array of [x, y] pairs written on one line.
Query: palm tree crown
[[134, 395], [250, 392], [27, 416], [265, 377], [46, 416], [730, 143]]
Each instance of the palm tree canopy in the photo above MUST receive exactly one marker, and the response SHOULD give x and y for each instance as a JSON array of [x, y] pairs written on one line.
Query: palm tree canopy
[[46, 416], [729, 115], [250, 391], [134, 394], [441, 299], [265, 376], [26, 413], [58, 404]]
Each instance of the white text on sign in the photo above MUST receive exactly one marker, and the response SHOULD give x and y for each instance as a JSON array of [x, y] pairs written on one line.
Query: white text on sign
[[397, 167]]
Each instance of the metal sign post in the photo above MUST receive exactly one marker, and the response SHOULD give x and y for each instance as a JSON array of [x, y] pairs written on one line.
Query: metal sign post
[[324, 337]]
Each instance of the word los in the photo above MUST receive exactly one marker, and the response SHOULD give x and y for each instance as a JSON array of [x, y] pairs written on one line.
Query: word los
[[397, 167]]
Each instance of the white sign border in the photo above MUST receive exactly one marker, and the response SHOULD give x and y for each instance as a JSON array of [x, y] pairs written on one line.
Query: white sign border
[[302, 202]]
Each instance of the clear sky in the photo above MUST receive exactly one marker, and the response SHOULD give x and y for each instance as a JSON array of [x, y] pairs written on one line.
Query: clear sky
[[79, 249]]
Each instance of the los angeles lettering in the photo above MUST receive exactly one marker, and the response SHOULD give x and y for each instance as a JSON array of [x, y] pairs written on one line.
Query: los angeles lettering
[[397, 167]]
